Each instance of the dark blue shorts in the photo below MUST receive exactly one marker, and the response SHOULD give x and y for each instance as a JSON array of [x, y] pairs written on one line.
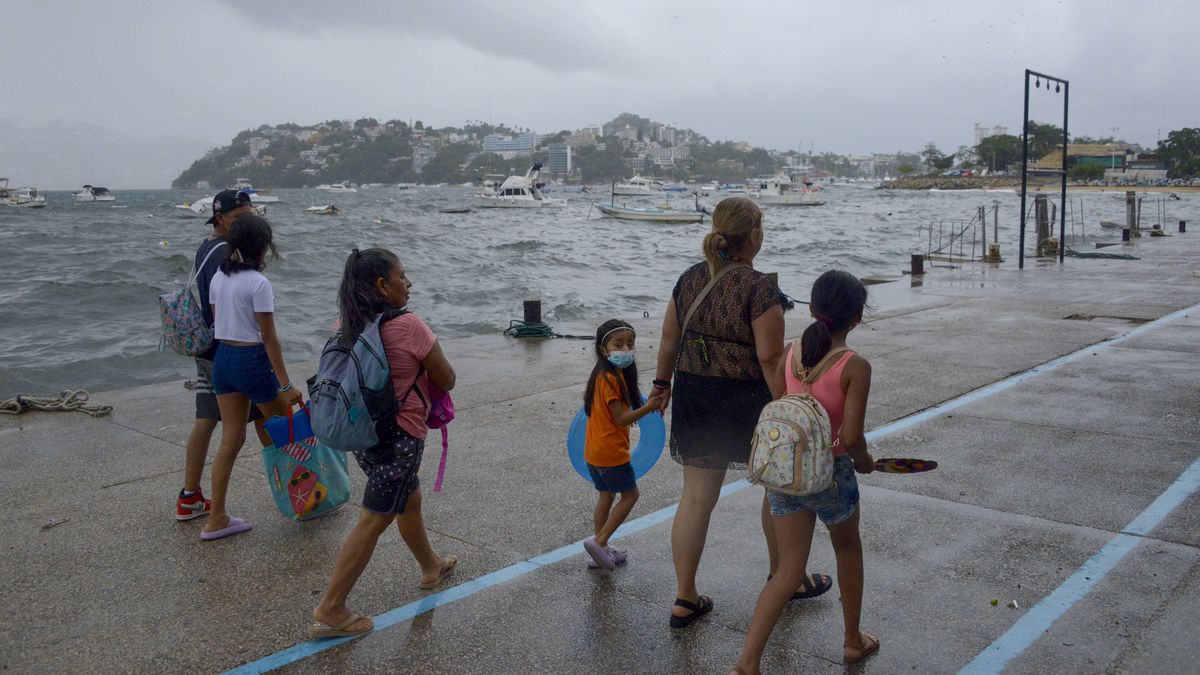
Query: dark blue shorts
[[244, 370], [613, 478]]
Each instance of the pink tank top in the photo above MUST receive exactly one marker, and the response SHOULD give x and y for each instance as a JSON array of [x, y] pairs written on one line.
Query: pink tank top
[[827, 389]]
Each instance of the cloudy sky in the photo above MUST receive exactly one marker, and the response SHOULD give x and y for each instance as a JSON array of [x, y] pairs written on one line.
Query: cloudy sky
[[848, 76]]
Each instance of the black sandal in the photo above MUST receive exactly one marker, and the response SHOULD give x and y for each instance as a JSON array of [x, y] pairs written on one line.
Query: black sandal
[[814, 585], [705, 606]]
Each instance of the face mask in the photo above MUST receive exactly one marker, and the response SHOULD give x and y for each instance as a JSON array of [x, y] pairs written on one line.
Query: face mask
[[621, 359]]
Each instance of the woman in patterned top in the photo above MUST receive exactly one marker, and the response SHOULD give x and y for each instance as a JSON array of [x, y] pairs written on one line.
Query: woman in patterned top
[[724, 371]]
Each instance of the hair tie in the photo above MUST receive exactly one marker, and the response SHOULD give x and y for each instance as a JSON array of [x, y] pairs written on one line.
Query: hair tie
[[722, 255], [825, 320], [237, 256]]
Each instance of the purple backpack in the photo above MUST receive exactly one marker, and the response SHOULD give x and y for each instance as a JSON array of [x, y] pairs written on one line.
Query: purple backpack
[[183, 326]]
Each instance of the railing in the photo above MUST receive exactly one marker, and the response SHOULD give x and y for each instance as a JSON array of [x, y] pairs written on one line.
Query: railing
[[956, 241]]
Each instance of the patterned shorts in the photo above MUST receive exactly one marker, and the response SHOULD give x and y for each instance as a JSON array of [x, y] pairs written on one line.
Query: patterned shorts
[[391, 469]]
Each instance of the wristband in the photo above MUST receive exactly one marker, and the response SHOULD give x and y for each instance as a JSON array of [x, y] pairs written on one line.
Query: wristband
[[662, 384], [285, 388]]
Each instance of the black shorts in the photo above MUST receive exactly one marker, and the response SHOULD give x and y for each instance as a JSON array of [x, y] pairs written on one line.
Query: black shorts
[[206, 401], [391, 469]]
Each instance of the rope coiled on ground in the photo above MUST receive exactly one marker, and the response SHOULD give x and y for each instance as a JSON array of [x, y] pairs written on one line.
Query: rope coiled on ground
[[520, 329], [67, 401]]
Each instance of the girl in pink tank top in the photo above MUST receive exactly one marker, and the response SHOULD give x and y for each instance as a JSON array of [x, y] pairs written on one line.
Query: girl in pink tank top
[[821, 364]]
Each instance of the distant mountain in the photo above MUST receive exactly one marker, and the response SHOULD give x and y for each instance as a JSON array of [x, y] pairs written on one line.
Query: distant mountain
[[58, 155]]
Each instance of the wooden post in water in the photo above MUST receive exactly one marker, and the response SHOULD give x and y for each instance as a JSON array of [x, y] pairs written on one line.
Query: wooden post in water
[[1183, 226], [1131, 213], [918, 264], [533, 311], [1041, 215]]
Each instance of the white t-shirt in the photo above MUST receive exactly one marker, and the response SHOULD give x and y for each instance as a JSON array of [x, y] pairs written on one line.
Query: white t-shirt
[[236, 299]]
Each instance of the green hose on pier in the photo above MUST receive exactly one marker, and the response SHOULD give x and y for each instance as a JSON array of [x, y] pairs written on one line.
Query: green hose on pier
[[521, 329]]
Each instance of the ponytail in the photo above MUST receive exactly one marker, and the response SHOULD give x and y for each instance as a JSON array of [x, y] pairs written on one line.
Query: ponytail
[[250, 241], [837, 301], [359, 301]]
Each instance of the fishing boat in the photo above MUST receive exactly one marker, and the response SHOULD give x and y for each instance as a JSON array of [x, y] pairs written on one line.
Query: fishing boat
[[637, 186], [338, 188], [94, 193], [517, 192], [326, 210], [27, 197], [780, 191]]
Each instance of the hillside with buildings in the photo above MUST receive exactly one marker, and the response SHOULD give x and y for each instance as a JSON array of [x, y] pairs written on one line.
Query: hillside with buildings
[[369, 151]]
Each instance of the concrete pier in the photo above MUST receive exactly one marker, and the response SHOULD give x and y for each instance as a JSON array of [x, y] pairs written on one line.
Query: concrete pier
[[1041, 472]]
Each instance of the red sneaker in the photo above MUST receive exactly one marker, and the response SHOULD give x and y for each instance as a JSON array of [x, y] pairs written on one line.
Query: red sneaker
[[188, 508]]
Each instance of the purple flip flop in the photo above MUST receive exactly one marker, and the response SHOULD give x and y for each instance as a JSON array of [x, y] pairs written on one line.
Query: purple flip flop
[[619, 555], [600, 554], [235, 526]]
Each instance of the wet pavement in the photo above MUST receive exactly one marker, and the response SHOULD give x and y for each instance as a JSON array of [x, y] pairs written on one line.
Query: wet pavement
[[1036, 477]]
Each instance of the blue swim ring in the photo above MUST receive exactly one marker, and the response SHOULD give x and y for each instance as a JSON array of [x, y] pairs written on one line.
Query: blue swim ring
[[652, 437]]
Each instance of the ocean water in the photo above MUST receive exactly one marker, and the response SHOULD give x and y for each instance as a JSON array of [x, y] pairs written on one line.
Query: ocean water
[[79, 281]]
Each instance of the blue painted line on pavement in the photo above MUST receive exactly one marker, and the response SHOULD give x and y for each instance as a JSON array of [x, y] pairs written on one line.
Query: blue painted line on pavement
[[1041, 616], [405, 612]]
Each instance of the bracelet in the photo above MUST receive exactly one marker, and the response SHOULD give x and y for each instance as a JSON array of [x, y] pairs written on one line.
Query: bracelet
[[662, 384], [285, 388]]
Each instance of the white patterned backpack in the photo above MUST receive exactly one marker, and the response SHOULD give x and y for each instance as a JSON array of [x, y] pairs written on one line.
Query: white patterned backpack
[[183, 326], [792, 450]]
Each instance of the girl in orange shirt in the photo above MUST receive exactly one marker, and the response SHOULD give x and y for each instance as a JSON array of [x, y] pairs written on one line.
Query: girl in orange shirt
[[612, 392]]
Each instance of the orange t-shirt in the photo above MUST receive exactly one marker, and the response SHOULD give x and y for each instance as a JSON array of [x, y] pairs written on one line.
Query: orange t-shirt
[[607, 443]]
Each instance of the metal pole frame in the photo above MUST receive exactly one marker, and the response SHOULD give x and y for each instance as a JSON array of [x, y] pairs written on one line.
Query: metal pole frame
[[1025, 164]]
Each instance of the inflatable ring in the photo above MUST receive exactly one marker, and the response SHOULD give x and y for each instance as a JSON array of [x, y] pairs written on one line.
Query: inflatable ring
[[652, 437]]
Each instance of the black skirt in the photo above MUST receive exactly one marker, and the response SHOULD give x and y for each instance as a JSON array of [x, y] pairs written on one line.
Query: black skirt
[[713, 419]]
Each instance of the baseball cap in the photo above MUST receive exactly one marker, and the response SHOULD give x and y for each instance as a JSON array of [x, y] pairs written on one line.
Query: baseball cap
[[226, 201]]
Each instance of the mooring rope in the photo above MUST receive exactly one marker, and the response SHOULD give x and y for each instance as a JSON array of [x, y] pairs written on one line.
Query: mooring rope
[[64, 402], [520, 329]]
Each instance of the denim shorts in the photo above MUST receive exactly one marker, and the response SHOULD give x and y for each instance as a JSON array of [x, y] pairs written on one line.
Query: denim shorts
[[206, 400], [244, 370], [391, 469], [613, 478], [832, 505]]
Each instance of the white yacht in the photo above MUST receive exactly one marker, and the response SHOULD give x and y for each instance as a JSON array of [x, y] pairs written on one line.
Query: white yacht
[[338, 188], [94, 193], [27, 197], [202, 208], [638, 186], [517, 192], [256, 197], [780, 191]]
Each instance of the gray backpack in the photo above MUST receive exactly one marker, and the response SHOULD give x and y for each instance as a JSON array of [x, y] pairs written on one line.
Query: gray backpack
[[352, 403]]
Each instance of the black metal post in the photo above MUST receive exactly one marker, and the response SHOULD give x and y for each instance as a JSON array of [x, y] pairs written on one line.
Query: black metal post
[[1024, 171], [1062, 226]]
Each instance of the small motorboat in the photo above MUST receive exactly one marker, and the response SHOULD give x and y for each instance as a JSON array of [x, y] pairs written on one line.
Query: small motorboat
[[326, 210], [650, 215], [517, 192], [342, 187]]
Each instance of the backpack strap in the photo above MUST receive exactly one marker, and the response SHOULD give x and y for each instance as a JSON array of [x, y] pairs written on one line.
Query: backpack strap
[[196, 272], [687, 318], [810, 375]]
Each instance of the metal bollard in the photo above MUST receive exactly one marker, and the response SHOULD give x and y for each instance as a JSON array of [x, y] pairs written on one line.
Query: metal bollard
[[533, 311], [1183, 226], [1125, 234], [918, 264]]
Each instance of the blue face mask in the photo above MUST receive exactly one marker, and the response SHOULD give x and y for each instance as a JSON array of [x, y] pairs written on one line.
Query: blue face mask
[[621, 360]]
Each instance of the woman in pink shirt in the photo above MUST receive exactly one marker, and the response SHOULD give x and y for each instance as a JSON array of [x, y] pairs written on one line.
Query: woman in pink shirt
[[822, 365], [375, 283]]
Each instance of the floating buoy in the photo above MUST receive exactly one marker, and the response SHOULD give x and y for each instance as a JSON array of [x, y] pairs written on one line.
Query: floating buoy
[[164, 243]]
